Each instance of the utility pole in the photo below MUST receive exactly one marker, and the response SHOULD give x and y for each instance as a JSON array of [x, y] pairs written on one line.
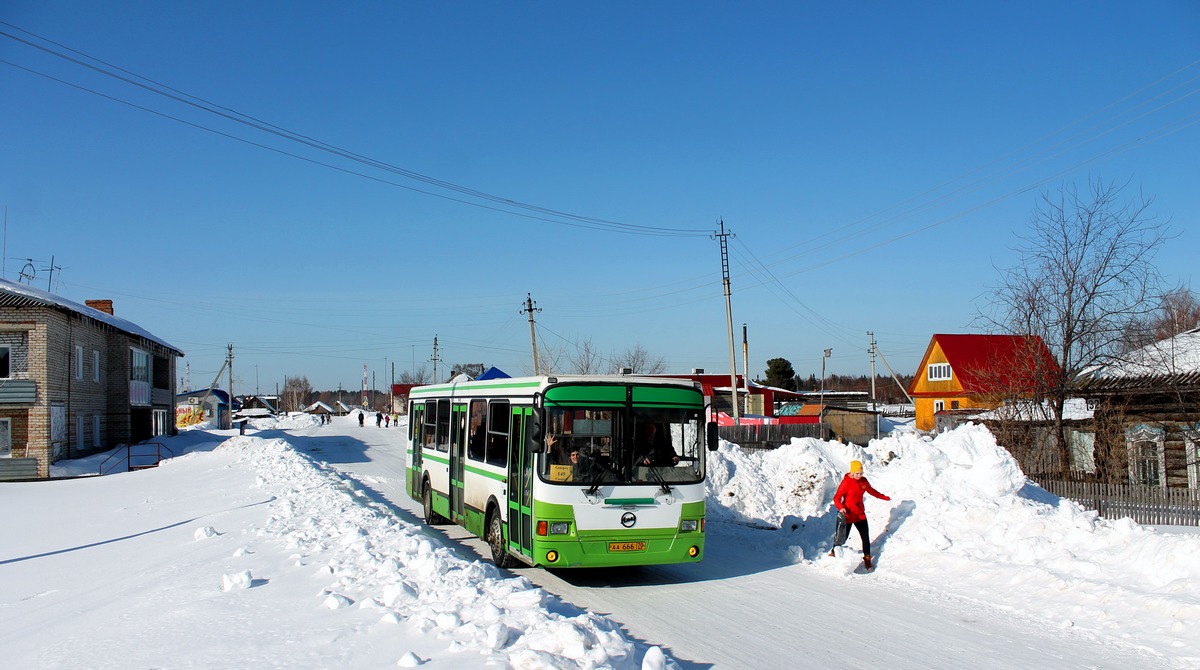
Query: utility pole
[[746, 364], [733, 386], [874, 402], [529, 309], [828, 353], [435, 359], [229, 361]]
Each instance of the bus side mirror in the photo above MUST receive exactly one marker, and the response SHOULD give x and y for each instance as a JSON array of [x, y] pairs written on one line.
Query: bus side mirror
[[533, 436], [713, 435]]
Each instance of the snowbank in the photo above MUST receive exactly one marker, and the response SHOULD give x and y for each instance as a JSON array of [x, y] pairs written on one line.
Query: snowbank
[[370, 559], [964, 519]]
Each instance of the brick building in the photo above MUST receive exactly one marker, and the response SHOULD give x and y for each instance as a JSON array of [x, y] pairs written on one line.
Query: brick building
[[75, 380]]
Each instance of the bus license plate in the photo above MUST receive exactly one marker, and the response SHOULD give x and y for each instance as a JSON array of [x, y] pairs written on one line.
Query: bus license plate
[[627, 546]]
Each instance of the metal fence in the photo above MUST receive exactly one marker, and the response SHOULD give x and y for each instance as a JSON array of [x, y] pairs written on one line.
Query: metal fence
[[1144, 504]]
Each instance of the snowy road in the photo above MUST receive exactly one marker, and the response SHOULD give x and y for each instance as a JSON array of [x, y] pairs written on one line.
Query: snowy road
[[745, 606]]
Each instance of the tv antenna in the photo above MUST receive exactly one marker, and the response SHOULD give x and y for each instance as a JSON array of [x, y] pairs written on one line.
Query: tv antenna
[[28, 272]]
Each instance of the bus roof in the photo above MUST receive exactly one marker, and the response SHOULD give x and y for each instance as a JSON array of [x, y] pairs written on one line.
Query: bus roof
[[531, 385]]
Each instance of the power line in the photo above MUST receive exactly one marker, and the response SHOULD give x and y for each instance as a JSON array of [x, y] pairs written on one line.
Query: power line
[[540, 212]]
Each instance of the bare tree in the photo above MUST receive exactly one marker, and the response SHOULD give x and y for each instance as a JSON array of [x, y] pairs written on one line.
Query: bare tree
[[472, 370], [1179, 312], [640, 361], [1086, 270], [419, 376], [586, 360], [296, 391]]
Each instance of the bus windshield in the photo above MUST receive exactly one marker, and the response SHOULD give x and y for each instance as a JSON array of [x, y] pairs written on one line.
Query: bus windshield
[[598, 446]]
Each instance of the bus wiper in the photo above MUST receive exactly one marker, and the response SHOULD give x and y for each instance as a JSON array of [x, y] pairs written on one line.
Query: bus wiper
[[601, 468], [666, 488]]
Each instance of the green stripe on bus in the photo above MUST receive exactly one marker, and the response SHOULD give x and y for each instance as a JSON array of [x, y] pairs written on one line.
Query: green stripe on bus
[[629, 501], [667, 395], [498, 476], [590, 394]]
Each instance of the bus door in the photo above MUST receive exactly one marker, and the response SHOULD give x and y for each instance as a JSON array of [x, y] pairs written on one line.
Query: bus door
[[458, 441], [416, 417], [520, 484]]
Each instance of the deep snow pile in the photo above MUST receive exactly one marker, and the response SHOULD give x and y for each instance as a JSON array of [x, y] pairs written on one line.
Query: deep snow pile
[[963, 519], [370, 559], [291, 421]]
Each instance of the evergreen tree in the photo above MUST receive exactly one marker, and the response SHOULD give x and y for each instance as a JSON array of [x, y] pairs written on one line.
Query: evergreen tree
[[780, 374]]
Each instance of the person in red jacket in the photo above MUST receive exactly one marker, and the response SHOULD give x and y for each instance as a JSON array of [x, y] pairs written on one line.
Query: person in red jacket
[[849, 502]]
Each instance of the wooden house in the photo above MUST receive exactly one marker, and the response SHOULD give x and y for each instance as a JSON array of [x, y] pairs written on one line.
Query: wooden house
[[1147, 413], [966, 371]]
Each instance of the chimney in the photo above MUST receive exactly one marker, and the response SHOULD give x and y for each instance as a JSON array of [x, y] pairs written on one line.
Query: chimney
[[102, 305]]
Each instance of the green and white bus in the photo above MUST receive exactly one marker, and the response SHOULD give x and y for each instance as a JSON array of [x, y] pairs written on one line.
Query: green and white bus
[[565, 471]]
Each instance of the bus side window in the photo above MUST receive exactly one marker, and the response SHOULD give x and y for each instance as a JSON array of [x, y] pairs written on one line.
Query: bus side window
[[416, 412], [443, 425], [429, 436], [498, 421], [477, 435]]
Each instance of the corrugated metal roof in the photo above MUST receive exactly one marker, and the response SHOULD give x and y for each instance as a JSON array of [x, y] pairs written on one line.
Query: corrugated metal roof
[[984, 363]]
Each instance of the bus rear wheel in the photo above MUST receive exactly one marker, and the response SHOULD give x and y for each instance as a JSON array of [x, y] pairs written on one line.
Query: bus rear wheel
[[495, 540]]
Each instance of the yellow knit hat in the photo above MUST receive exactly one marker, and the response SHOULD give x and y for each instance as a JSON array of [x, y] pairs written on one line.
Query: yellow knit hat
[[855, 466]]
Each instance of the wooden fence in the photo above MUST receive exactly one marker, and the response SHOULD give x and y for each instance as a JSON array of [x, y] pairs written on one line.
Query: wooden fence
[[770, 436], [1144, 504]]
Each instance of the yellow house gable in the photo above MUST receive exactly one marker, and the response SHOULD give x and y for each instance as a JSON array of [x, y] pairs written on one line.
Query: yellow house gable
[[935, 375]]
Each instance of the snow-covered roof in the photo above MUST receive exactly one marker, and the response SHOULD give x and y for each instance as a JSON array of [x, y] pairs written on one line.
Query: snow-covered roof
[[318, 405], [1174, 361], [1074, 409], [14, 293]]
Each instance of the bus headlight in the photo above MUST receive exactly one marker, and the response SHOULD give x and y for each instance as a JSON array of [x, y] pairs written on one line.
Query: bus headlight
[[551, 556], [560, 528], [693, 551], [689, 525]]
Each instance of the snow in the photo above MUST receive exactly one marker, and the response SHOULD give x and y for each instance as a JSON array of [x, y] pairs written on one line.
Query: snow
[[1178, 355], [267, 550]]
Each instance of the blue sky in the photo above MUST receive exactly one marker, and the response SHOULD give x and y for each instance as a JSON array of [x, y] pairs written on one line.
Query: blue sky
[[875, 162]]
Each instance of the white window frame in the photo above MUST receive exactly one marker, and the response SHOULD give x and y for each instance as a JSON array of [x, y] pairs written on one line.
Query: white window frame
[[938, 406], [1083, 451], [1143, 433], [1191, 452], [79, 362], [5, 438], [939, 372], [139, 388], [96, 365], [159, 418]]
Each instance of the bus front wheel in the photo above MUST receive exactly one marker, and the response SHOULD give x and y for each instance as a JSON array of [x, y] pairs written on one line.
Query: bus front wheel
[[495, 540], [432, 518]]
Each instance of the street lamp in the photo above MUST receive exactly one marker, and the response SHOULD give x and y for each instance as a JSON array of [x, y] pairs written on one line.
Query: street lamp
[[828, 353]]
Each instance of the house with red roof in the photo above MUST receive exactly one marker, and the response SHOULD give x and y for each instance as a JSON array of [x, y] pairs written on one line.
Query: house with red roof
[[965, 371]]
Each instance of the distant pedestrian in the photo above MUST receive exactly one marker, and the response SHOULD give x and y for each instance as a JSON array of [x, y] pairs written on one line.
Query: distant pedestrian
[[360, 418], [378, 419], [387, 420], [852, 512]]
